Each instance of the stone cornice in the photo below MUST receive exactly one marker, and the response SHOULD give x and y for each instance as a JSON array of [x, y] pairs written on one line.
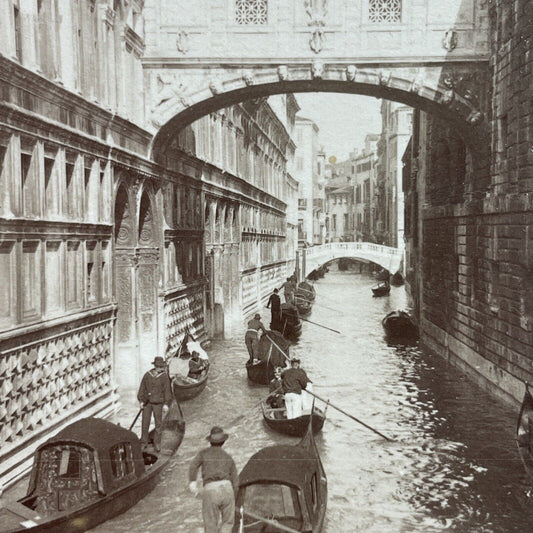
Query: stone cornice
[[22, 79], [370, 62]]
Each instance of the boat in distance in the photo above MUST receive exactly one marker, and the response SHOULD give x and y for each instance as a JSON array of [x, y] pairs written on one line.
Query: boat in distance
[[91, 471], [184, 387], [282, 488], [381, 289]]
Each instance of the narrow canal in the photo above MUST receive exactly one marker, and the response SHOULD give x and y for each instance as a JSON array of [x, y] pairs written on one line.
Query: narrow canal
[[452, 467]]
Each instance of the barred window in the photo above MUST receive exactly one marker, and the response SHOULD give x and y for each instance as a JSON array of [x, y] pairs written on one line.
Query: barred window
[[385, 10], [249, 12]]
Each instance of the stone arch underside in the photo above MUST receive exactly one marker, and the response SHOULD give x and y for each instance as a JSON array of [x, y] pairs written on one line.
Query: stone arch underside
[[455, 92]]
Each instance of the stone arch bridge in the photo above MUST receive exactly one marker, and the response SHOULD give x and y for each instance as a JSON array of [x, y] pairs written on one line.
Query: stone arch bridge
[[385, 256], [424, 54]]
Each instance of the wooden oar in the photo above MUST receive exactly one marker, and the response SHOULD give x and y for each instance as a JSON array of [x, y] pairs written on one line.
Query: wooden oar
[[332, 405], [240, 417], [270, 521], [325, 327], [136, 417], [350, 416]]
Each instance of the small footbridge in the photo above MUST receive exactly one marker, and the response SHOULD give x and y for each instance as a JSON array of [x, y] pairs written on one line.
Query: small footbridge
[[385, 256]]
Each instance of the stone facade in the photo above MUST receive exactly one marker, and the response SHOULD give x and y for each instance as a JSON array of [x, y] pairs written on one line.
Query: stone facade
[[103, 259]]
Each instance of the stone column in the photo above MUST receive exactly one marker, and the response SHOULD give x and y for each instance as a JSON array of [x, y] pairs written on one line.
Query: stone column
[[67, 65], [7, 30], [29, 32]]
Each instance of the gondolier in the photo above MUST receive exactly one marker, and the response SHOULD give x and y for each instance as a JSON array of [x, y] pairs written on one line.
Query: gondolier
[[154, 392], [252, 336], [220, 483], [288, 290], [274, 304]]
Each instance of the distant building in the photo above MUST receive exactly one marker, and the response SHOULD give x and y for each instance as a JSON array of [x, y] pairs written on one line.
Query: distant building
[[350, 194], [309, 171], [395, 134], [365, 186]]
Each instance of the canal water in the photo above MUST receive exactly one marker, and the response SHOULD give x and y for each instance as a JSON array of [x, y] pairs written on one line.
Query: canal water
[[453, 464]]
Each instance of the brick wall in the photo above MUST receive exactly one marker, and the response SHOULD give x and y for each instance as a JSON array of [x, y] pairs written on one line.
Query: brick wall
[[477, 248]]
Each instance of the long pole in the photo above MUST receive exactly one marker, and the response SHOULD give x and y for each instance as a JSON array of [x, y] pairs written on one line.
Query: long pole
[[136, 417], [332, 405], [240, 417], [350, 416], [271, 522], [325, 327]]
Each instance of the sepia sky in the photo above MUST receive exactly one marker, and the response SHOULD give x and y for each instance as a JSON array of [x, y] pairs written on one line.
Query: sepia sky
[[343, 119]]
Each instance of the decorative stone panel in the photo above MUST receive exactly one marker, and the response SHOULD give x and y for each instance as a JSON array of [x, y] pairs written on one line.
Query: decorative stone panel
[[184, 311], [43, 380]]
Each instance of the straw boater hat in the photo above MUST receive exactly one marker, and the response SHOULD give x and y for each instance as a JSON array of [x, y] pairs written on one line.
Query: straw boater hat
[[159, 362], [217, 435]]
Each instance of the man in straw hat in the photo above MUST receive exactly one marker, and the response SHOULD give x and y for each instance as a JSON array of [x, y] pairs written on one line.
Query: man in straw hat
[[154, 393], [221, 481]]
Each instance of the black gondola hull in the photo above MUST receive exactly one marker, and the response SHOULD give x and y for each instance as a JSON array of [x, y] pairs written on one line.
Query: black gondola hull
[[261, 372], [398, 324], [295, 427], [97, 511], [186, 391]]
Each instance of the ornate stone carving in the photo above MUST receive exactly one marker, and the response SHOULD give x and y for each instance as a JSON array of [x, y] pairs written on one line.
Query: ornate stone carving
[[182, 42], [248, 78], [416, 84], [351, 72], [39, 380], [317, 11], [283, 72], [449, 42], [170, 92], [316, 41], [317, 70], [384, 77], [216, 86]]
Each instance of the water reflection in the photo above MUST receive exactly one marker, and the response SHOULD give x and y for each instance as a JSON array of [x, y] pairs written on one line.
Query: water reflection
[[452, 467]]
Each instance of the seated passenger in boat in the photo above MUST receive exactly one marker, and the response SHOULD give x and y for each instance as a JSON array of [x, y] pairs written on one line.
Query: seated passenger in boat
[[276, 399], [196, 365]]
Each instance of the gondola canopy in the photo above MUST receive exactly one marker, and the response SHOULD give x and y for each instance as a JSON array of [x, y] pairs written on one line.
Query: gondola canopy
[[290, 464]]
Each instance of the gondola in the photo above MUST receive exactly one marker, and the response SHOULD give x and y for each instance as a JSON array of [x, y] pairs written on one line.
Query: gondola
[[184, 387], [282, 485], [381, 289], [306, 290], [276, 419], [399, 324], [524, 433], [290, 321], [304, 306], [91, 471], [269, 356]]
